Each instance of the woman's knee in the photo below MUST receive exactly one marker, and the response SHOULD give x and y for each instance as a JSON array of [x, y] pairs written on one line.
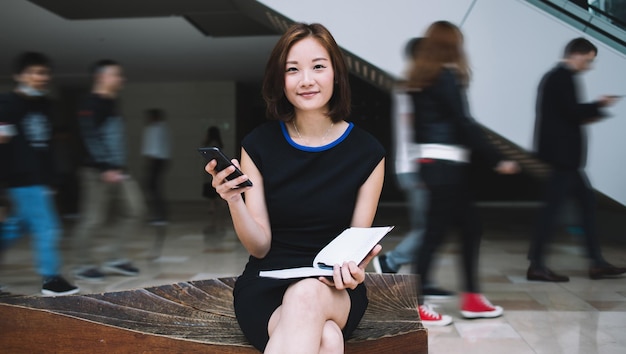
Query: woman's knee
[[309, 292], [312, 299], [332, 338]]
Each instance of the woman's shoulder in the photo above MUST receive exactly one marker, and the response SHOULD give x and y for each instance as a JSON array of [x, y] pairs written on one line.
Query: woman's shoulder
[[366, 141], [449, 73], [263, 132], [449, 78]]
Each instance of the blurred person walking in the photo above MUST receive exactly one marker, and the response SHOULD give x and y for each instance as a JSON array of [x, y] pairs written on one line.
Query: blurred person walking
[[157, 151], [104, 178], [448, 136], [26, 161], [217, 208], [406, 154], [560, 140]]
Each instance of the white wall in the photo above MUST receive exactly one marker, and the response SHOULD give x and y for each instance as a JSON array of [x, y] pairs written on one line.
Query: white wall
[[511, 44], [191, 107]]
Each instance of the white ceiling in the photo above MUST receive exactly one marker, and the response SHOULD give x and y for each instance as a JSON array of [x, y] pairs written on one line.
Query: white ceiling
[[163, 49]]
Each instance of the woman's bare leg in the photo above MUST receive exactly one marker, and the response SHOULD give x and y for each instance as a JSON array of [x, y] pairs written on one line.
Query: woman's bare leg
[[299, 325], [332, 339]]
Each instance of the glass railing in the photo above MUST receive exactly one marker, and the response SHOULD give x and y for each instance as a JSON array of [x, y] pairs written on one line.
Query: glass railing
[[604, 20], [614, 11]]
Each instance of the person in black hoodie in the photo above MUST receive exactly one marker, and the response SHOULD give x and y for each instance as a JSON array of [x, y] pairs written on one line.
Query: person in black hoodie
[[560, 141], [447, 135], [28, 170], [103, 176]]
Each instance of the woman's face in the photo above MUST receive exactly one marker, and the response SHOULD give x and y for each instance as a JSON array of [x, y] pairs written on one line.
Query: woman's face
[[309, 76]]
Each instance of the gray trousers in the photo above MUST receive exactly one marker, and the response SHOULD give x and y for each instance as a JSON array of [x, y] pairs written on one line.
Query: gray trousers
[[97, 199]]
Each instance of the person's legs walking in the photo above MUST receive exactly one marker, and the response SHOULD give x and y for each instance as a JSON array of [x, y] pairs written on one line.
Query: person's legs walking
[[403, 253], [417, 196], [586, 197], [160, 207], [439, 218], [132, 211], [155, 170], [599, 267], [473, 303], [34, 206], [556, 190], [95, 198], [471, 234]]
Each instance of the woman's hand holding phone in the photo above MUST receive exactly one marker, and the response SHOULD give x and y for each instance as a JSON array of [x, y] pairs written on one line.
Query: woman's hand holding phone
[[229, 182]]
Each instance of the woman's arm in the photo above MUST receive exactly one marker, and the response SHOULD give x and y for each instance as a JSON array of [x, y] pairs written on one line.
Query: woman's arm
[[349, 275], [455, 99], [250, 217], [368, 196]]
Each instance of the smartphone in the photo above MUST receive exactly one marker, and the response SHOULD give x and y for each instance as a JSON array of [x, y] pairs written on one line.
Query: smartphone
[[214, 153]]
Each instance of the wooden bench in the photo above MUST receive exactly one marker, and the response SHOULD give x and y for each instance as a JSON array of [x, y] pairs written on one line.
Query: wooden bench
[[189, 317]]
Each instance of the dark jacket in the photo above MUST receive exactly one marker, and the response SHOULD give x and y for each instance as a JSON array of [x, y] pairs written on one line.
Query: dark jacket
[[559, 134], [102, 133], [442, 117], [26, 159]]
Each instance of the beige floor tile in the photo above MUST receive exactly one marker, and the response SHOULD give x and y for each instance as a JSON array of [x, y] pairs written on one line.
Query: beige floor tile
[[582, 316], [478, 346]]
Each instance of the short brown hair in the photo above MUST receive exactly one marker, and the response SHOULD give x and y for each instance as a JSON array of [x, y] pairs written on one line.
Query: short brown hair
[[579, 45], [278, 107]]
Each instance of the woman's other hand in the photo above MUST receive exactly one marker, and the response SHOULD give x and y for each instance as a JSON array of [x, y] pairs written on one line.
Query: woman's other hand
[[349, 275], [507, 167]]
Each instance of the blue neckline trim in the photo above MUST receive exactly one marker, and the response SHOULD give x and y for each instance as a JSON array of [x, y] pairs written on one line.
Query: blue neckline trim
[[343, 137]]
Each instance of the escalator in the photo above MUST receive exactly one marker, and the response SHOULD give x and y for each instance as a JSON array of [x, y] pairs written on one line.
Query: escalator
[[603, 20]]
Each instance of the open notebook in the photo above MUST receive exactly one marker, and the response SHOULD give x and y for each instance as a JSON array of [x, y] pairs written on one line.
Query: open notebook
[[353, 244]]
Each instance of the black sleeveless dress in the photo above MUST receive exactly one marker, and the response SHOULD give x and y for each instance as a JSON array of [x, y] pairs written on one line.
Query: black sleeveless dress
[[310, 195]]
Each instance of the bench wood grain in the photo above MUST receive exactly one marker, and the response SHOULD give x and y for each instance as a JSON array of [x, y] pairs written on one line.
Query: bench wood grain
[[189, 317]]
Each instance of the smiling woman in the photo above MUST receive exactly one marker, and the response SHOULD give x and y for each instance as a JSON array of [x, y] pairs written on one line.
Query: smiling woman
[[314, 175], [309, 87], [309, 76], [317, 43]]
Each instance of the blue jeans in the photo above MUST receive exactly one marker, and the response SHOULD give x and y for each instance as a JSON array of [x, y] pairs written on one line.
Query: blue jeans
[[33, 212], [417, 195]]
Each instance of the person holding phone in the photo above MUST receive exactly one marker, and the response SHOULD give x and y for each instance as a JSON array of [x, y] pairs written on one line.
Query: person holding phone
[[217, 211], [314, 174], [560, 141]]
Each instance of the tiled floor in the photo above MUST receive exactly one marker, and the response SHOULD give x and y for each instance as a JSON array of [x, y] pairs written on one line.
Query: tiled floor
[[582, 316]]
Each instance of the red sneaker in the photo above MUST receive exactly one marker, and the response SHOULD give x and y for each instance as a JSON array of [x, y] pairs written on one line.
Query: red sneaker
[[431, 318], [474, 305]]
